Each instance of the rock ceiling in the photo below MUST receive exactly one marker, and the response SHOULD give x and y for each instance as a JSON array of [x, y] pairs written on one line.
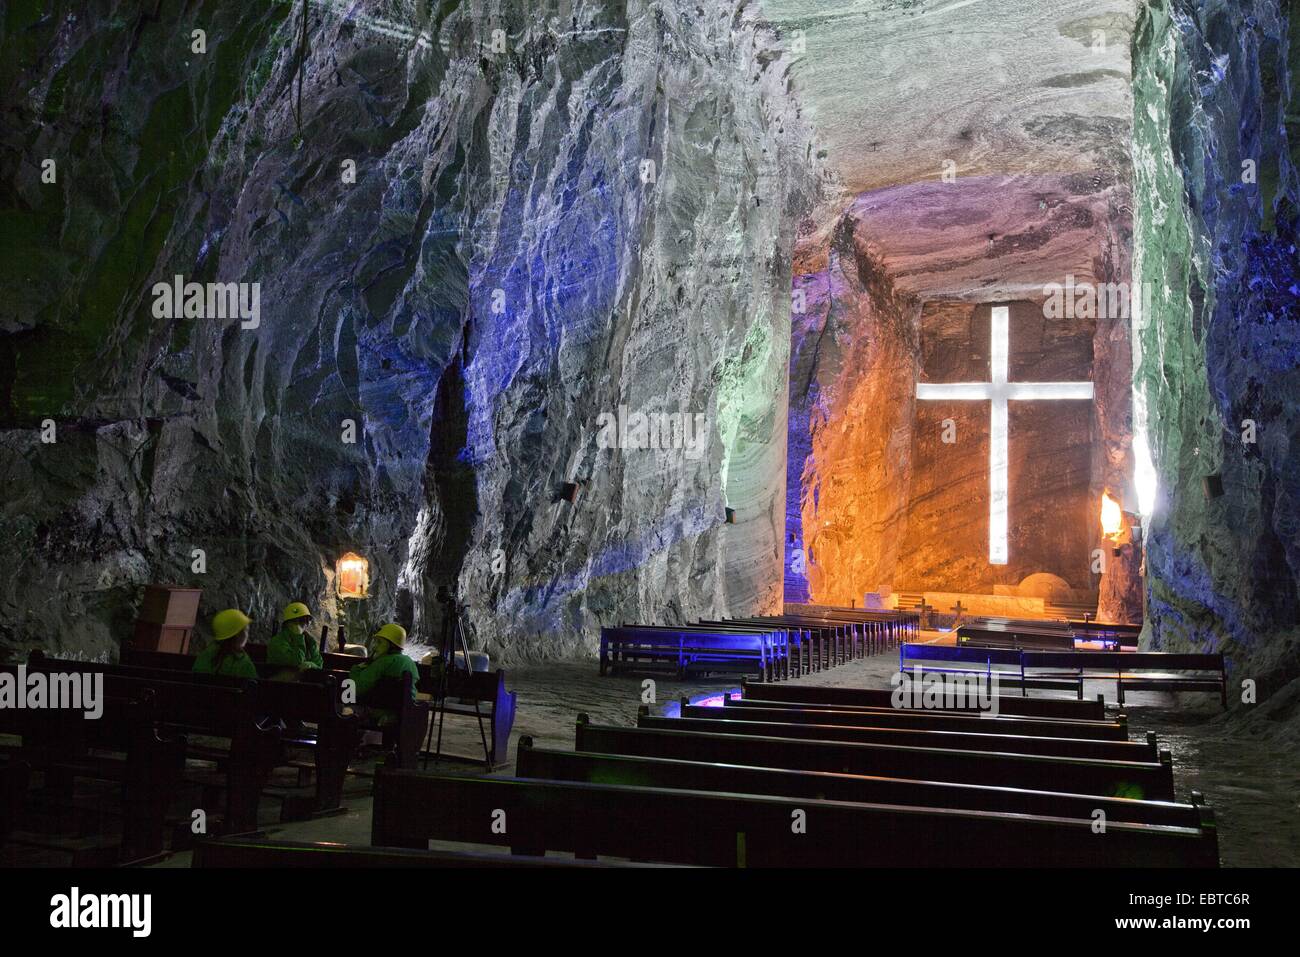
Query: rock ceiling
[[1028, 102]]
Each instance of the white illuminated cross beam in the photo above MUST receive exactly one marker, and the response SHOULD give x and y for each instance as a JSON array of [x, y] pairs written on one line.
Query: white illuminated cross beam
[[999, 392]]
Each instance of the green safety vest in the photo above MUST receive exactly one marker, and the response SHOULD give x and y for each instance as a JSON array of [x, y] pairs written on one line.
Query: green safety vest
[[287, 650], [235, 665]]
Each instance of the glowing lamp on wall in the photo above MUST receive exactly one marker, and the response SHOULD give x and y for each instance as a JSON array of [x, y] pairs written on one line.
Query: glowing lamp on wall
[[1112, 518], [353, 576]]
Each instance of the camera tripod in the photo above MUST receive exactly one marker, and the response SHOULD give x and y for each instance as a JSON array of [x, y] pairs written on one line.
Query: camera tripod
[[452, 642]]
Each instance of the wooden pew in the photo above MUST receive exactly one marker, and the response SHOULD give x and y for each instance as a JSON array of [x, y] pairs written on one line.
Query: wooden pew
[[406, 734], [1071, 727], [14, 777], [681, 649], [250, 853], [847, 639], [974, 660], [713, 648], [1136, 670], [812, 695], [1008, 634], [232, 713], [921, 720], [338, 661], [157, 660], [900, 626], [209, 709], [556, 765], [776, 726], [808, 646], [496, 705], [1149, 780], [128, 750], [753, 830], [868, 632], [1118, 634], [856, 638], [314, 699]]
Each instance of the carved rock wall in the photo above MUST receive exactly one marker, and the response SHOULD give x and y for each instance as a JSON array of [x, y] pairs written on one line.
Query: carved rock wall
[[1217, 197], [593, 207]]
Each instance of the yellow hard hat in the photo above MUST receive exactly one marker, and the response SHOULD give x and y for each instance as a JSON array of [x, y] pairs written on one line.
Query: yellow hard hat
[[228, 623], [295, 610], [392, 632]]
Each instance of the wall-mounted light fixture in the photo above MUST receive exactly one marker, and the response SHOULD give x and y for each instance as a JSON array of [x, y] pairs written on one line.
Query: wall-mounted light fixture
[[731, 514], [352, 576], [1112, 519], [569, 491], [1213, 485]]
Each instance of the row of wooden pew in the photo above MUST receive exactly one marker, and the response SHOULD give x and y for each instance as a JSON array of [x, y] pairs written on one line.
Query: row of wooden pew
[[466, 691], [1051, 635], [793, 775], [1027, 669], [154, 719], [158, 714], [801, 640], [787, 776]]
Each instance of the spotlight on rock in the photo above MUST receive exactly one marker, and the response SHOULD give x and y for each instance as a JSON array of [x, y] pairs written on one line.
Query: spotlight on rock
[[731, 514]]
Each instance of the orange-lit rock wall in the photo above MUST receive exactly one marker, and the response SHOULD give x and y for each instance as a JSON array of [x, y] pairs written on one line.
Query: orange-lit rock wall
[[877, 503], [852, 376]]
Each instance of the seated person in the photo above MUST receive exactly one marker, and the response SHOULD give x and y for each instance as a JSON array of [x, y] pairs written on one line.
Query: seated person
[[386, 661], [292, 650], [225, 654]]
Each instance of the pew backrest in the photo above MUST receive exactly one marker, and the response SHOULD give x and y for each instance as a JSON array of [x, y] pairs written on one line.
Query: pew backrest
[[865, 733], [818, 696], [242, 853], [1152, 780], [316, 697], [1115, 662], [988, 657], [552, 764], [939, 719], [720, 828]]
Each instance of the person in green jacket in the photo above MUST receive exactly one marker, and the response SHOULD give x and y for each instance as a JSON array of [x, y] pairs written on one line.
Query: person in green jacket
[[225, 654], [291, 649], [386, 661]]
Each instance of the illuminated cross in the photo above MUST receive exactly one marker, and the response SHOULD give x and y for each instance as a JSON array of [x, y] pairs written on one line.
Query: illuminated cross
[[998, 392]]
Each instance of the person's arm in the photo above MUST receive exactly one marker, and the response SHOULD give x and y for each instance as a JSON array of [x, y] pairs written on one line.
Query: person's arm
[[413, 668], [313, 657]]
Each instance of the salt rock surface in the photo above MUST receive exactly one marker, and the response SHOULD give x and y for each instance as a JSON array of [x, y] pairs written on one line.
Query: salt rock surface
[[505, 267]]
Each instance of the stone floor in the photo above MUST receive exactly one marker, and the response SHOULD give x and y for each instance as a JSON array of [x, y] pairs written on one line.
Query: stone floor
[[1252, 780]]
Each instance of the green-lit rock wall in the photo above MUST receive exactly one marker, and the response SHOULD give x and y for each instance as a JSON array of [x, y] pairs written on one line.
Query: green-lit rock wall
[[1217, 353]]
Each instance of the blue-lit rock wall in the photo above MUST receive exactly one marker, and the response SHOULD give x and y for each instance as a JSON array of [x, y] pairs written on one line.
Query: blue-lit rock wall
[[558, 209], [1217, 375]]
